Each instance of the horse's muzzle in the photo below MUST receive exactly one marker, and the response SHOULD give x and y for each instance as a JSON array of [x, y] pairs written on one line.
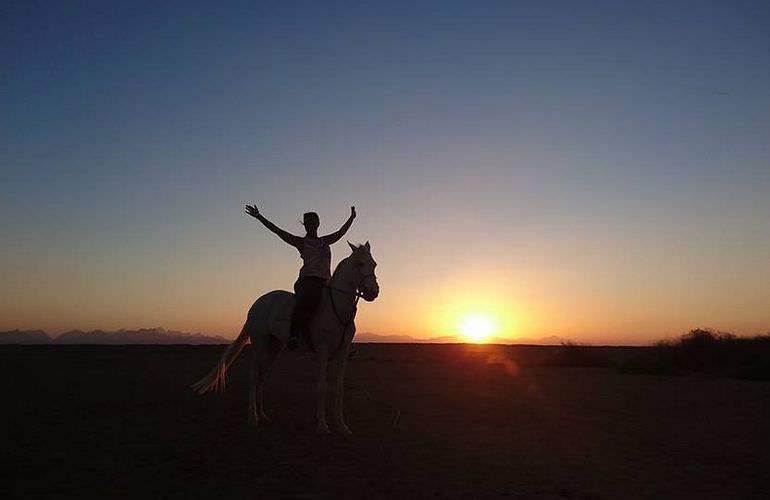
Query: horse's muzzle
[[369, 294]]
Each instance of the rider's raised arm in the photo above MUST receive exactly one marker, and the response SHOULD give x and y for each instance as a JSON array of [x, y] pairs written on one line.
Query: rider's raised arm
[[286, 236], [337, 235]]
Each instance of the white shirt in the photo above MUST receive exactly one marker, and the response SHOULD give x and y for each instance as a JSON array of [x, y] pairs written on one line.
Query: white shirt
[[316, 258]]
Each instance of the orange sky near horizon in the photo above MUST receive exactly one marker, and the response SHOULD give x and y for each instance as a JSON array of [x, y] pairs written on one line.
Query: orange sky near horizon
[[531, 292]]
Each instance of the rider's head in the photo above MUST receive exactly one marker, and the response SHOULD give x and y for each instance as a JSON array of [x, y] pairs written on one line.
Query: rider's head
[[311, 221]]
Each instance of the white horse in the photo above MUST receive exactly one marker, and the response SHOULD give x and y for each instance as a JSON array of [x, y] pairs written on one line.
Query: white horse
[[331, 331]]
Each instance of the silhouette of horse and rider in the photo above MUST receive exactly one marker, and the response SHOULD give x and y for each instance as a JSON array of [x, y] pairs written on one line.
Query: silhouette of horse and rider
[[321, 312]]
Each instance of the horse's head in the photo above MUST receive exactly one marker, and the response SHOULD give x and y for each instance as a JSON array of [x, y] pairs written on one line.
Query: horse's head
[[364, 265]]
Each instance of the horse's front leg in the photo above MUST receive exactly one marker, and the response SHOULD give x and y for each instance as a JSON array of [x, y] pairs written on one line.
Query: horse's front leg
[[337, 377], [323, 363], [255, 382]]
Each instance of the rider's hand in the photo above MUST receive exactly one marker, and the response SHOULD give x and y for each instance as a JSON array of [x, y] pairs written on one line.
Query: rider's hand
[[352, 212], [252, 210]]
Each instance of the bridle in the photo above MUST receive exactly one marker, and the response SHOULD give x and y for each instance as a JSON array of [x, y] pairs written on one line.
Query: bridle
[[358, 294]]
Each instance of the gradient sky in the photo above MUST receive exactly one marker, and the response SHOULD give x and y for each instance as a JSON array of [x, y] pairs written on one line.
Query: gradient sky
[[574, 168]]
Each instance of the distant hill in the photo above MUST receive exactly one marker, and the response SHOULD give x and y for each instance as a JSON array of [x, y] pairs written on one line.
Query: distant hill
[[552, 340], [373, 337], [368, 337], [156, 336], [24, 337]]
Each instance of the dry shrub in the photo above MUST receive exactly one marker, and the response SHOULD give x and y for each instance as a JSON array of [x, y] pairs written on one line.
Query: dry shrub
[[707, 351]]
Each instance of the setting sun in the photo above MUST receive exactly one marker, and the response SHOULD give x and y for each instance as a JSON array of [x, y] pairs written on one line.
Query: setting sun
[[477, 327]]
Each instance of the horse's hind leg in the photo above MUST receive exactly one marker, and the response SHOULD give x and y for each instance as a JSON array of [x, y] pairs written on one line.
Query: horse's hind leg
[[323, 362], [273, 348], [259, 348], [253, 383]]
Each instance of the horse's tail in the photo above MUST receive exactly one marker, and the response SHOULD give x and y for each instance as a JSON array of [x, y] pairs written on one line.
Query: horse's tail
[[217, 378]]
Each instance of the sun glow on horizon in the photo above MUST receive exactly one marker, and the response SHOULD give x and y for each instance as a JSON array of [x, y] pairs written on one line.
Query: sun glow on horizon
[[477, 311], [477, 327]]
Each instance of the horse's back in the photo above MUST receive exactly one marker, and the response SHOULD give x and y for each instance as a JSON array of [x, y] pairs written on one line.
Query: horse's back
[[271, 314]]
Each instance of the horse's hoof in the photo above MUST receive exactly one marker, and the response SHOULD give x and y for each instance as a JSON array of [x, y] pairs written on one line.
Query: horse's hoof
[[343, 429], [253, 422], [264, 420], [322, 429]]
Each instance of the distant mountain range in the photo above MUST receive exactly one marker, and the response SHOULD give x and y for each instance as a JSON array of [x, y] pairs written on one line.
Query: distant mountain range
[[368, 337], [158, 336], [24, 337], [161, 336]]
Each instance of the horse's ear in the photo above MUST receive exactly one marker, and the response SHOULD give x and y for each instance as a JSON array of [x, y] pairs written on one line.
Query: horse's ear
[[366, 245], [352, 246]]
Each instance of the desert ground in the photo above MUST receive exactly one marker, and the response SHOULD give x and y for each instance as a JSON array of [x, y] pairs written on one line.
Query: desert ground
[[429, 421]]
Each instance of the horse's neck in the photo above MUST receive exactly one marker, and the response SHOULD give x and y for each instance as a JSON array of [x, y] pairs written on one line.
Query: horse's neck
[[343, 278], [343, 287]]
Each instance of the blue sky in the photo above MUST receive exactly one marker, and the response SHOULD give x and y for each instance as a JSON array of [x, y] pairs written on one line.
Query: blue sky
[[602, 163]]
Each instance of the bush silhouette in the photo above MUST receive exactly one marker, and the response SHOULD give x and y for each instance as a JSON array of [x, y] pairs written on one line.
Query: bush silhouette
[[708, 351]]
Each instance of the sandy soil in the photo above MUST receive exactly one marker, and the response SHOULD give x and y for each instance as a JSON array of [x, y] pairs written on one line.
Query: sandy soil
[[121, 421]]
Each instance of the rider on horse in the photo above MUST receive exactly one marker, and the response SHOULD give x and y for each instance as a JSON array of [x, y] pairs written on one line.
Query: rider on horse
[[316, 265]]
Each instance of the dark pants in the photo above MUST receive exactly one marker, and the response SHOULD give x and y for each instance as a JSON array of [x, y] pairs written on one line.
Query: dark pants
[[307, 290]]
